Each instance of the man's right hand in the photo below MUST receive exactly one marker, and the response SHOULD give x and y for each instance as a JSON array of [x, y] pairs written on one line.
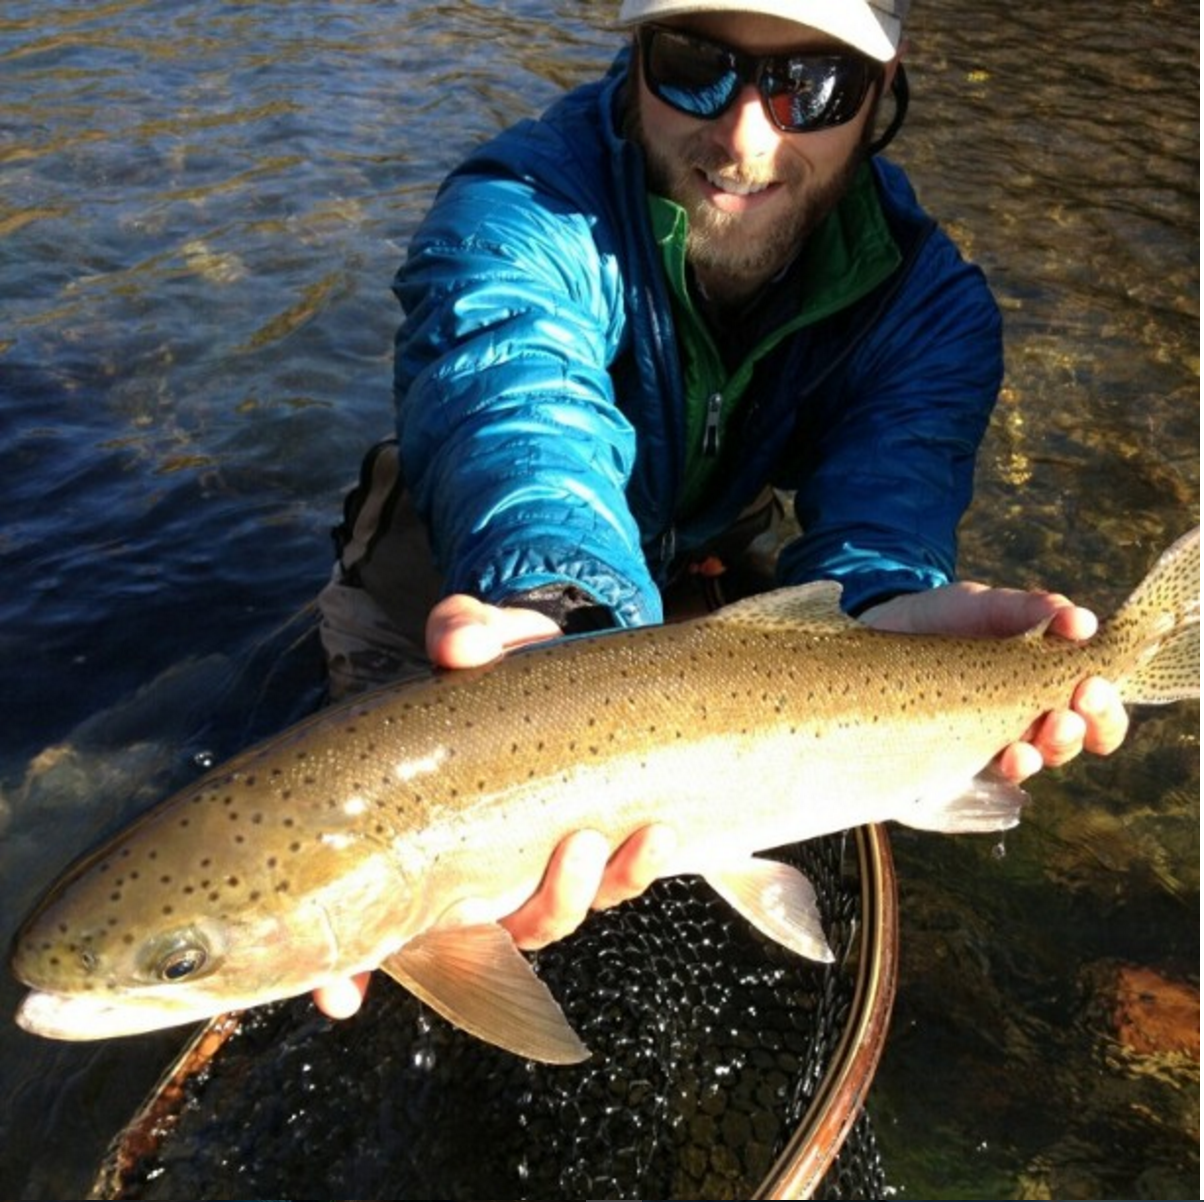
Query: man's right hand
[[463, 632]]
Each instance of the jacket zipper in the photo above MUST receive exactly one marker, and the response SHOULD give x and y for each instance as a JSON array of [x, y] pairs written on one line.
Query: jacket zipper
[[710, 428]]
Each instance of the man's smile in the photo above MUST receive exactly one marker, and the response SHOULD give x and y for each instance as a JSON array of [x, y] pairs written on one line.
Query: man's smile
[[733, 194]]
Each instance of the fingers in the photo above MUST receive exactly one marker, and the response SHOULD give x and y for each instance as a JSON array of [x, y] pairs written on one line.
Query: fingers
[[570, 884], [1099, 704], [582, 875], [1096, 722], [974, 610], [1071, 621], [341, 999], [637, 863], [463, 632], [1018, 762]]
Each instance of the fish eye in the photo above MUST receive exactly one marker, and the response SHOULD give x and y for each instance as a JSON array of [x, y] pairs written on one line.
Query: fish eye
[[181, 963], [184, 954]]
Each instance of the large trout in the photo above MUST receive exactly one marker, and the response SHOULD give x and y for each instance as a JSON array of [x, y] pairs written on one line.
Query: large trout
[[394, 830]]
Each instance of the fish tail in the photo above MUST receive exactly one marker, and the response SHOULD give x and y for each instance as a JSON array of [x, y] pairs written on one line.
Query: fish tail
[[1154, 638]]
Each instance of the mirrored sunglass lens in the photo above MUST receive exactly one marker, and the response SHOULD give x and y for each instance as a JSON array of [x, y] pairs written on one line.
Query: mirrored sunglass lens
[[810, 95], [691, 77]]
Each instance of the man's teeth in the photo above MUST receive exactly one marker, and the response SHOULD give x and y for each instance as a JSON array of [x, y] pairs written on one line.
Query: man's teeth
[[735, 187]]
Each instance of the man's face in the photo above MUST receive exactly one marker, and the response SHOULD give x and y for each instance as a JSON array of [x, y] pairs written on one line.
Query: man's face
[[752, 192]]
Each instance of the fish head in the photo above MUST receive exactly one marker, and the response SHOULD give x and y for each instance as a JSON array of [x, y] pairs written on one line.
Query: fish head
[[170, 924]]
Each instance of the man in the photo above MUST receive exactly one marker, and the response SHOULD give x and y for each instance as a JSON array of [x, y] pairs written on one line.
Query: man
[[625, 322]]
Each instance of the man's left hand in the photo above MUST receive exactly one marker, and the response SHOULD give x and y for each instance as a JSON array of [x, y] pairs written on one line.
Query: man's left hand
[[1094, 718]]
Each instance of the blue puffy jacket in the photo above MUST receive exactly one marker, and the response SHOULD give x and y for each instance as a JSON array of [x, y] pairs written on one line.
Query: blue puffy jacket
[[541, 399]]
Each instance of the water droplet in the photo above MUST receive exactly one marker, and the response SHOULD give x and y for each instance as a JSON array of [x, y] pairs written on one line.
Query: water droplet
[[1000, 850], [204, 760]]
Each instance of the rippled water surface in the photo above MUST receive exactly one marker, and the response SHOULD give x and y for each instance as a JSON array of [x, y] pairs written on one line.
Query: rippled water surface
[[201, 208]]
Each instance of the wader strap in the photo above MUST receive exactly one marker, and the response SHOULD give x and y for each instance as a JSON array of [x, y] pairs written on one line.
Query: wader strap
[[369, 507]]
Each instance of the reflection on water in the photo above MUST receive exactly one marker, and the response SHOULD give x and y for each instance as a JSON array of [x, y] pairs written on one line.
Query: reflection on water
[[202, 206]]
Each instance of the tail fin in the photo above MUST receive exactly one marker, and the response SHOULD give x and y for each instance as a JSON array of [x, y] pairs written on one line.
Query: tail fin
[[1156, 633]]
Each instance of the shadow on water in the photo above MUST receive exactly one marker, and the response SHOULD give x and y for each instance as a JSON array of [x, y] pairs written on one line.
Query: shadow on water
[[202, 207]]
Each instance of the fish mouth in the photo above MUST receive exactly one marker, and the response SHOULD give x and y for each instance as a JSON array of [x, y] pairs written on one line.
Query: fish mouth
[[79, 1017]]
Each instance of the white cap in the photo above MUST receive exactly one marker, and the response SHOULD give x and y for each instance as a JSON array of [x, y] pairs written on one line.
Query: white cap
[[872, 26]]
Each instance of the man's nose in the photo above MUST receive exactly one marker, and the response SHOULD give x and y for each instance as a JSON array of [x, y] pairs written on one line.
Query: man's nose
[[745, 130]]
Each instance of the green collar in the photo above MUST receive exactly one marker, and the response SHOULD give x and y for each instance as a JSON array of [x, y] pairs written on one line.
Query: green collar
[[847, 257]]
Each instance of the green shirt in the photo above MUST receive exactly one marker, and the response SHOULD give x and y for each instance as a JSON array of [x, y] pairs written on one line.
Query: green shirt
[[849, 255]]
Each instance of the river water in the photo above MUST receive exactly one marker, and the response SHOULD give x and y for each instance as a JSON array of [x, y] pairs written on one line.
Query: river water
[[201, 209]]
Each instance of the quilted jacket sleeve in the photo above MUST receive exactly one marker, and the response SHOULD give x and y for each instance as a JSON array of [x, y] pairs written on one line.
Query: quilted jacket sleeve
[[511, 440]]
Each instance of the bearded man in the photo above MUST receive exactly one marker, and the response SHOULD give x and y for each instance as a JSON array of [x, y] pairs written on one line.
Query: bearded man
[[691, 288]]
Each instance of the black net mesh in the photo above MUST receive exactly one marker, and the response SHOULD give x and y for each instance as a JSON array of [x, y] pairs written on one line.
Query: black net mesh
[[708, 1043]]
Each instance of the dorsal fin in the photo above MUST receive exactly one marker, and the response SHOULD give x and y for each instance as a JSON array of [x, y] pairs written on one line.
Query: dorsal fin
[[814, 606]]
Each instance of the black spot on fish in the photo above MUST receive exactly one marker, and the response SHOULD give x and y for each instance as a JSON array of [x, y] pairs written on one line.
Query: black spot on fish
[[168, 910]]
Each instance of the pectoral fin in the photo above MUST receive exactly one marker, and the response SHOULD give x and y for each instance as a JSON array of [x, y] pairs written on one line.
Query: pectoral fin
[[477, 979], [778, 900]]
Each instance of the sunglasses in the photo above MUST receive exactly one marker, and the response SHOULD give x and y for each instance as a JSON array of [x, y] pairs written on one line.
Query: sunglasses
[[801, 92]]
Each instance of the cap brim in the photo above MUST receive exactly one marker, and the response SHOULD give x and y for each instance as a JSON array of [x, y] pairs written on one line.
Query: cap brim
[[854, 23]]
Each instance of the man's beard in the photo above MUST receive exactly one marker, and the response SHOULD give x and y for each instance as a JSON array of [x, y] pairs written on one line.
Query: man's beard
[[715, 246]]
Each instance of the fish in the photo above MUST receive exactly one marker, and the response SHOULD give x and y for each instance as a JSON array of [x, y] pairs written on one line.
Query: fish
[[394, 830]]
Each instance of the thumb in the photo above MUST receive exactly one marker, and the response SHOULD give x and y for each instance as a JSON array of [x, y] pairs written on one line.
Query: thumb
[[463, 632]]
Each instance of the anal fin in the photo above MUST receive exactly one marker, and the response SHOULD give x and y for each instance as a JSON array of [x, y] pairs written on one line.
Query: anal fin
[[476, 978], [986, 803]]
